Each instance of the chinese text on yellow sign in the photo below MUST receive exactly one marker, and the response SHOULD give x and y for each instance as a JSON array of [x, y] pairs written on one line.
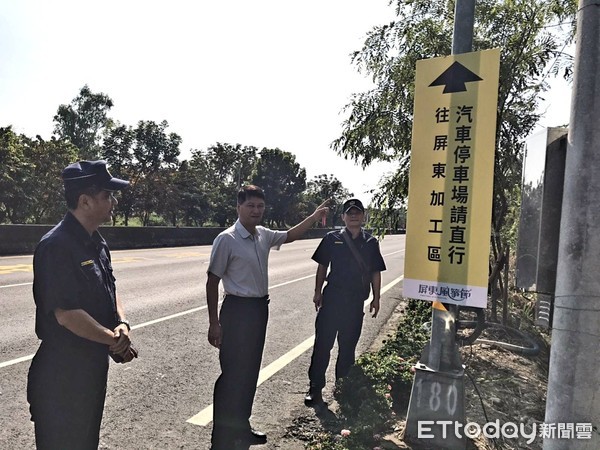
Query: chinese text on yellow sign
[[451, 178]]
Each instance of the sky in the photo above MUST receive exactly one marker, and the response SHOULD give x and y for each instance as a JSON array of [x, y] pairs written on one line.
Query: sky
[[266, 73]]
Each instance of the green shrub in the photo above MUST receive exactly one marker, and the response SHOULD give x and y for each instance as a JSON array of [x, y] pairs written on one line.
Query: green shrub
[[378, 381]]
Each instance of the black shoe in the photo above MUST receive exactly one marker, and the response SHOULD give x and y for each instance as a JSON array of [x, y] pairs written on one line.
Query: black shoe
[[236, 444], [253, 436], [313, 397]]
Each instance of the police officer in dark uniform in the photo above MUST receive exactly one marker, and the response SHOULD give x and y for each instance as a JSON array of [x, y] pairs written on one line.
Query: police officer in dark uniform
[[79, 318], [355, 265]]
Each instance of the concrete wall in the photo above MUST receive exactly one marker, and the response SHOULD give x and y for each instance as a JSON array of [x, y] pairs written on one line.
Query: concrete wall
[[22, 239]]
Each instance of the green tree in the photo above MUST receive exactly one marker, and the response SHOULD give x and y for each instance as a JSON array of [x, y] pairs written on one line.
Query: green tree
[[153, 148], [232, 164], [224, 168], [379, 122], [188, 198], [42, 183], [324, 187], [283, 180], [13, 169], [155, 154], [31, 189], [83, 120], [117, 150], [145, 156]]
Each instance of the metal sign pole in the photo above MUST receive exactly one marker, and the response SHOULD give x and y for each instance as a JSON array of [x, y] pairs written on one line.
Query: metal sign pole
[[437, 396]]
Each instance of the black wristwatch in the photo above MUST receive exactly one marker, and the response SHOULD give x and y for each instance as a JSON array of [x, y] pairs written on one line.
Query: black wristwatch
[[124, 322]]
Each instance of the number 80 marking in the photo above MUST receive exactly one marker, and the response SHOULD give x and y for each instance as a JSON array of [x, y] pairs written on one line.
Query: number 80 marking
[[435, 396]]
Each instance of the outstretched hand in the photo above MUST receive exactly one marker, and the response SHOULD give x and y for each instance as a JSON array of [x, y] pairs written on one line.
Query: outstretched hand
[[322, 210], [297, 231]]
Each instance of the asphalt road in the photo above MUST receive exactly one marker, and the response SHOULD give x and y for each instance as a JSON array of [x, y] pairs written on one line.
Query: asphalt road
[[163, 399]]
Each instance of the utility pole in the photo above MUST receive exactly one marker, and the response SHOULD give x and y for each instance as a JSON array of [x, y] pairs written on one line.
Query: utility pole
[[440, 367], [462, 42], [442, 343], [574, 378], [464, 20]]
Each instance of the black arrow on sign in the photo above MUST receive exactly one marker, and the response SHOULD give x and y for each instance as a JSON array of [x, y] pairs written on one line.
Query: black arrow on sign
[[454, 78]]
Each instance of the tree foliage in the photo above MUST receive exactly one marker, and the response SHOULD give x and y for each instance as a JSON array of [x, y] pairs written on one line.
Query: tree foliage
[[13, 169], [324, 187], [30, 183], [163, 191], [43, 185], [283, 180], [188, 199], [223, 168], [231, 164], [379, 122], [83, 120], [145, 156]]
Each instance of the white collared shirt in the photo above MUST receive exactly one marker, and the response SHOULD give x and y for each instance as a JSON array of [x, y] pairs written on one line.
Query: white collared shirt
[[241, 259]]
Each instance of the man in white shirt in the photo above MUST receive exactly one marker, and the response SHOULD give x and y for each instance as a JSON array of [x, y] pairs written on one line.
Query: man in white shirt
[[240, 258]]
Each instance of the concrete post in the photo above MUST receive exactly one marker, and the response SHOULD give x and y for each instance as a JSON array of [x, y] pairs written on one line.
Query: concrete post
[[574, 379]]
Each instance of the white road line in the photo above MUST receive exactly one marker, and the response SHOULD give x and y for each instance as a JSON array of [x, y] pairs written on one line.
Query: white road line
[[15, 285], [173, 316], [140, 325], [292, 281], [16, 361], [204, 417]]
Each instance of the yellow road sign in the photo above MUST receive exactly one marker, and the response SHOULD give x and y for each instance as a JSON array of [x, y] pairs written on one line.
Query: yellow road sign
[[451, 178]]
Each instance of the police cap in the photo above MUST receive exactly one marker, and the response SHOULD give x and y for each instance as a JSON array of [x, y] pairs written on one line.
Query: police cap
[[353, 203], [84, 174]]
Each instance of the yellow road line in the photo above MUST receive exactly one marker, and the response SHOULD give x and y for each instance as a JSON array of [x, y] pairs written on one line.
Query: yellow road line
[[128, 259], [4, 270], [7, 269], [181, 255]]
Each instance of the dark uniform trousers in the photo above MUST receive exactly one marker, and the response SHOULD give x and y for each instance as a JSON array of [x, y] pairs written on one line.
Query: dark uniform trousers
[[243, 325], [341, 316], [67, 399]]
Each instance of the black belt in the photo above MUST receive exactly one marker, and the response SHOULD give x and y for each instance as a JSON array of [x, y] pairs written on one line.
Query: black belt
[[237, 297]]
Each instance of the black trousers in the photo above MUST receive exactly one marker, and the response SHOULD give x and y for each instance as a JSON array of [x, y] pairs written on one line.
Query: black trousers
[[244, 326], [340, 316], [66, 389]]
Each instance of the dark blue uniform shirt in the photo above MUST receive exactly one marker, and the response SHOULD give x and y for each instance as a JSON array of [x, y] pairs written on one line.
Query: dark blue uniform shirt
[[345, 273], [72, 270]]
